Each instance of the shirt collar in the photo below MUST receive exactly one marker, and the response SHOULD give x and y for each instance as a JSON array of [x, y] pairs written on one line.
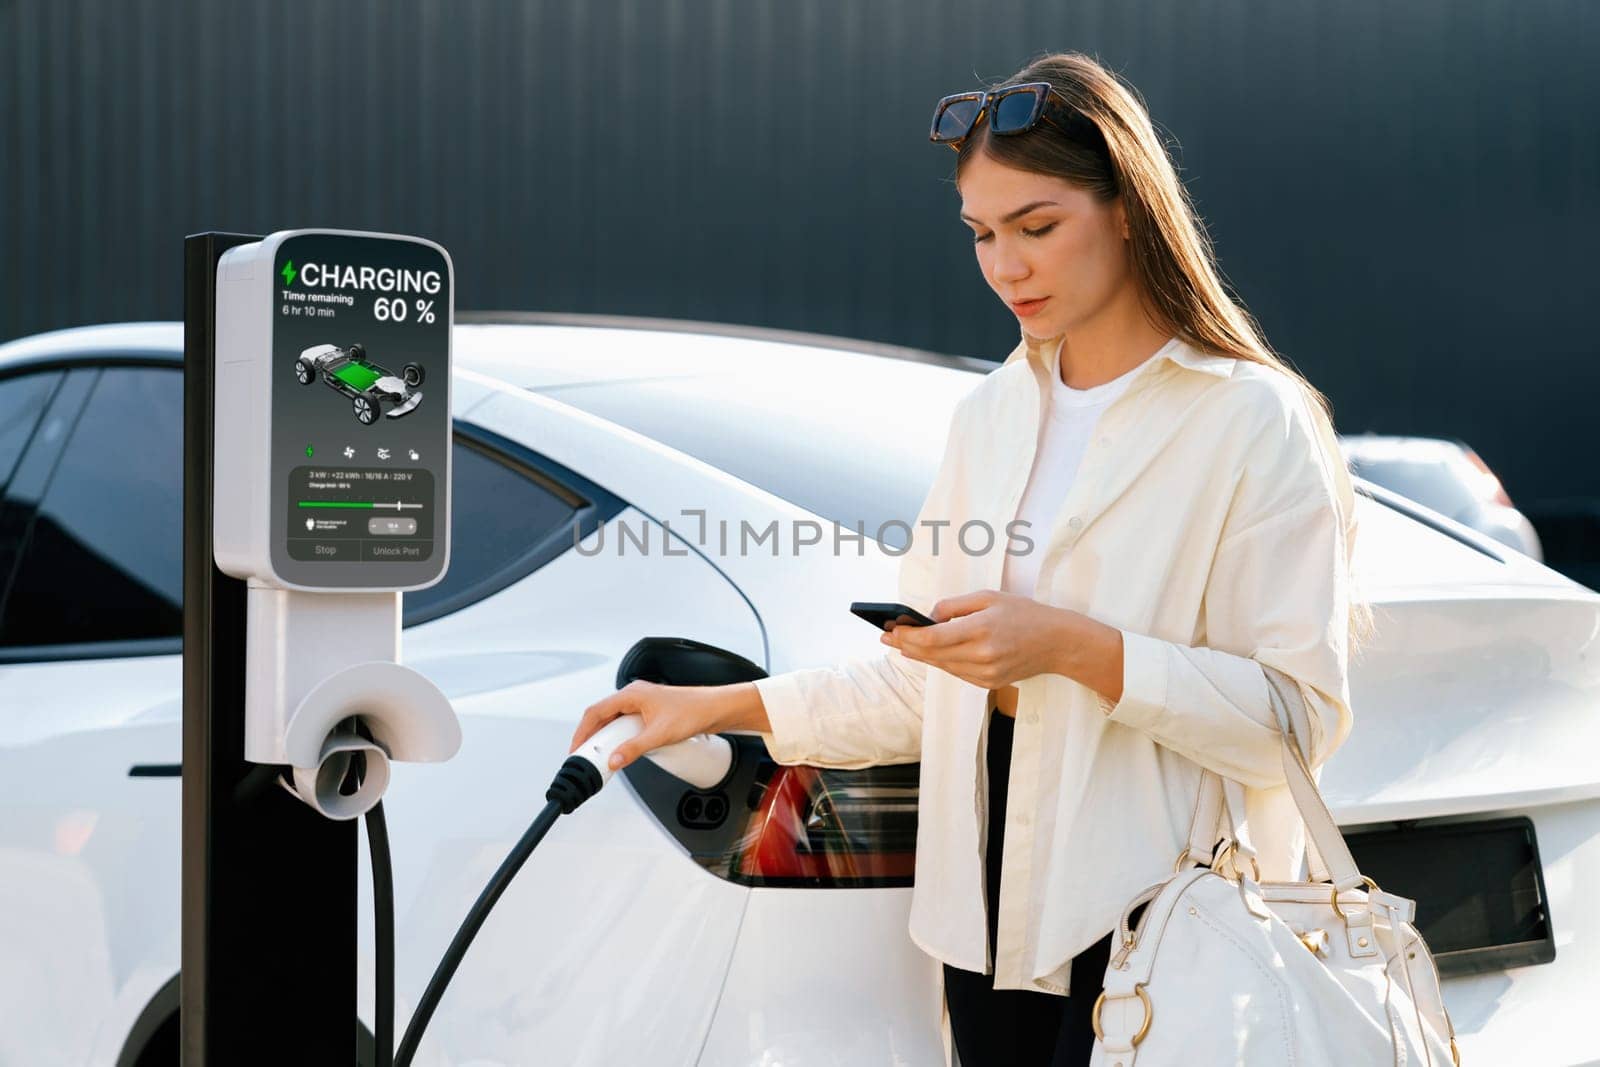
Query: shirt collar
[[1045, 356]]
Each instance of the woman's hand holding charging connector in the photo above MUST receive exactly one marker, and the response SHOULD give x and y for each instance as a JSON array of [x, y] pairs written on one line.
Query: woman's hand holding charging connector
[[671, 713]]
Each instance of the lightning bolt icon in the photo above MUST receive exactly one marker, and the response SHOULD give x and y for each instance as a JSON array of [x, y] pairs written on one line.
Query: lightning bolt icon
[[289, 273]]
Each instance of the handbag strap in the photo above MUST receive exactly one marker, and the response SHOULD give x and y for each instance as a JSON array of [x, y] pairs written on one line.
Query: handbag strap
[[1328, 857], [1295, 722]]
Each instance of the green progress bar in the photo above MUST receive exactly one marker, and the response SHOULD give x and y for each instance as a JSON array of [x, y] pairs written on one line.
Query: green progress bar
[[336, 503]]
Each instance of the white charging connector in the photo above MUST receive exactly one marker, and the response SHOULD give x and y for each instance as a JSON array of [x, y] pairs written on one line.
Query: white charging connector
[[702, 761]]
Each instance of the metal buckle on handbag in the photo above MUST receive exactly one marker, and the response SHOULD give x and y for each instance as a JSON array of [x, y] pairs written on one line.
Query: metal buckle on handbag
[[1371, 885], [1227, 854], [1149, 1015]]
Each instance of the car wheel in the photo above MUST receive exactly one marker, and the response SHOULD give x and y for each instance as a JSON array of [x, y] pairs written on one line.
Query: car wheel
[[366, 411], [412, 374], [356, 352], [302, 373]]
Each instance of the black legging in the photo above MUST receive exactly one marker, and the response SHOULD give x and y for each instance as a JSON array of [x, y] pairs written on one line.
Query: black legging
[[1023, 1027]]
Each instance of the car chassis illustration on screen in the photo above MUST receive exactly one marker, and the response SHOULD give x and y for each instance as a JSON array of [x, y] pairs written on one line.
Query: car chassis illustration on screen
[[368, 384]]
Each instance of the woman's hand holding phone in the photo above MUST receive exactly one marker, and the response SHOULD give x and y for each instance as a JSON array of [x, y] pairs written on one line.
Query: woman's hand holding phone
[[993, 639]]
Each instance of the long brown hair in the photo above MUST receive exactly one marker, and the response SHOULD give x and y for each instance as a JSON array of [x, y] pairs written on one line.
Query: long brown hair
[[1170, 253]]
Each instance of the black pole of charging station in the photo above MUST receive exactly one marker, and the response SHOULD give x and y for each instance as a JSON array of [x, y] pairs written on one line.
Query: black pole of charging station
[[269, 886]]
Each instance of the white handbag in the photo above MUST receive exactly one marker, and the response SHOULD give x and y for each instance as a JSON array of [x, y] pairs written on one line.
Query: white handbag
[[1227, 969]]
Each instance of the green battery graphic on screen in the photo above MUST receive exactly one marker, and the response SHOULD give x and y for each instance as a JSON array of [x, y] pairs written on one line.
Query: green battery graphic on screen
[[368, 384]]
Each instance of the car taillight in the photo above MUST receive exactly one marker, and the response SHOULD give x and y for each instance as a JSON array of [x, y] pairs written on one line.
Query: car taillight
[[1490, 485], [816, 827], [796, 827]]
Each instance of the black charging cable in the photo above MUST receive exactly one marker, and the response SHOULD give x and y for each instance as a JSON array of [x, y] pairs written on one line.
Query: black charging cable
[[577, 781], [383, 936]]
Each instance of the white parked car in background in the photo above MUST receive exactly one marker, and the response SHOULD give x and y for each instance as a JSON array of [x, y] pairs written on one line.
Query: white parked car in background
[[765, 923], [1446, 476]]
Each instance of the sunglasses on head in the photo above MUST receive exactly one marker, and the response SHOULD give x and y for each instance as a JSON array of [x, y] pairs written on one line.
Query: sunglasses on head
[[1012, 109]]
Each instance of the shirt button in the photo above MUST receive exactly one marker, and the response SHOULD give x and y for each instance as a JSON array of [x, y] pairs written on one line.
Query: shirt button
[[1075, 523], [1104, 441], [1032, 716]]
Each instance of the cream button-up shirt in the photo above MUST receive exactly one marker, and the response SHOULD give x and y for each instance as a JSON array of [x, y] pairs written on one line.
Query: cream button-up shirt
[[1211, 522]]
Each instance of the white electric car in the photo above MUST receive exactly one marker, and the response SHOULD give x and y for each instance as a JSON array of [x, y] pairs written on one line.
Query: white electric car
[[605, 473]]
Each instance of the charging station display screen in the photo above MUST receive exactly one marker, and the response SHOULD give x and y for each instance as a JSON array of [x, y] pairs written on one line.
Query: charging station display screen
[[361, 411]]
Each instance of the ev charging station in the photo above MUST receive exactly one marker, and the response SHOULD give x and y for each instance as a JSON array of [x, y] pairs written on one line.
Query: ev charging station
[[328, 505], [317, 490], [317, 465]]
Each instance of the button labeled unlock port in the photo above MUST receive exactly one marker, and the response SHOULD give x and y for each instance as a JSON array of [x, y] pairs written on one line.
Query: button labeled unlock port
[[387, 527], [397, 551]]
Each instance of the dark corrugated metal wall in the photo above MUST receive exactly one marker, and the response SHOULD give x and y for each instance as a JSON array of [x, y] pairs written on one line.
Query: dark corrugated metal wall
[[1407, 195]]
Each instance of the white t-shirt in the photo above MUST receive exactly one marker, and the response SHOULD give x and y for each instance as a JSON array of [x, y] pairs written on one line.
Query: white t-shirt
[[1063, 437]]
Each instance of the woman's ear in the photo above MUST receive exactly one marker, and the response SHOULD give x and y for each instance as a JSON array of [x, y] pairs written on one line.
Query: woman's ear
[[1121, 211]]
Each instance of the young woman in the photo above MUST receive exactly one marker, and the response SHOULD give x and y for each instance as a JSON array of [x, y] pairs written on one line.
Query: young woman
[[1194, 524]]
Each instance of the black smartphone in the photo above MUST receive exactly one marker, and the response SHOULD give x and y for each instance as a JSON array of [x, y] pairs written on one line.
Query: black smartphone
[[881, 614]]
